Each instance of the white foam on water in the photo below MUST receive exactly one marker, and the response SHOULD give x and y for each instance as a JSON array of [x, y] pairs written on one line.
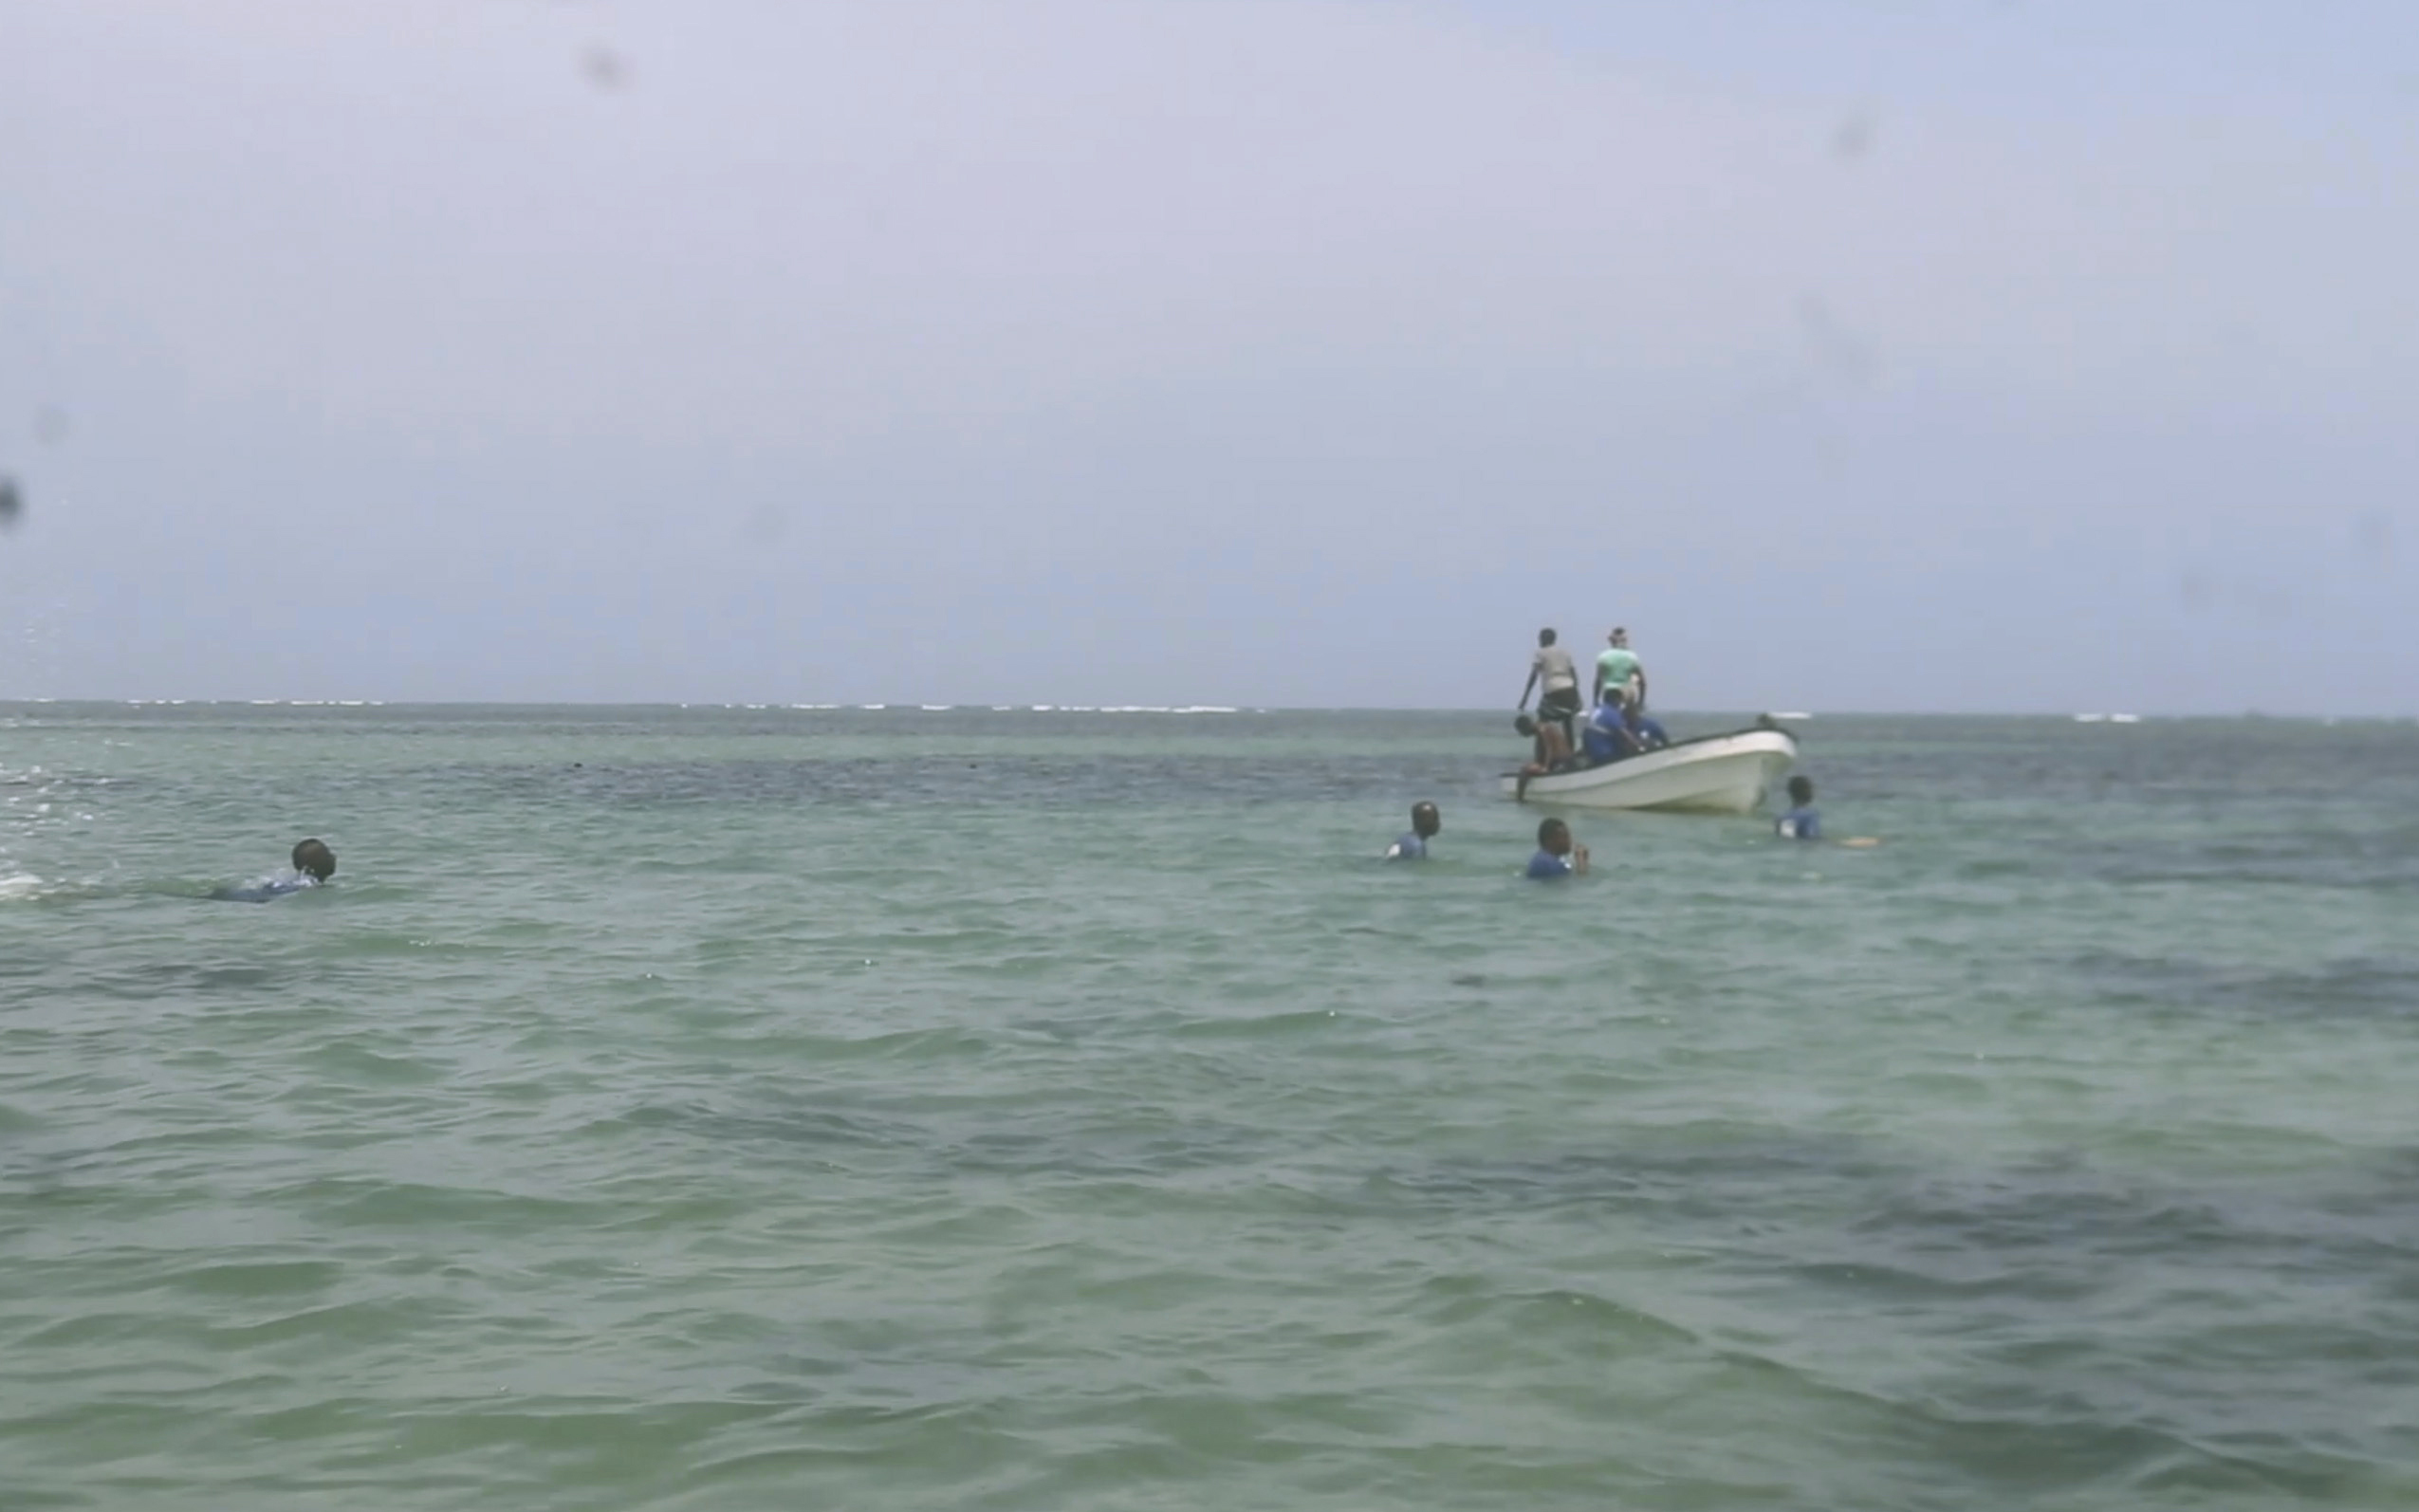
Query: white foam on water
[[936, 709]]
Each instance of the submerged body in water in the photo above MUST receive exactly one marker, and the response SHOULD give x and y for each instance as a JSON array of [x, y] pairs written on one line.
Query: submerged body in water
[[314, 865]]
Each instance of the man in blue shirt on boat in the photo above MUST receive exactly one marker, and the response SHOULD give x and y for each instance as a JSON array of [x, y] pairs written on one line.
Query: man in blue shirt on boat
[[1617, 729], [1608, 736]]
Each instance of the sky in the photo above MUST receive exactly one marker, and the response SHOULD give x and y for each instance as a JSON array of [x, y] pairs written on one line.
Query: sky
[[2007, 355]]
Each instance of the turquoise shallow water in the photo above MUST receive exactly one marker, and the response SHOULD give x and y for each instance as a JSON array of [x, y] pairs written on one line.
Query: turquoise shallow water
[[735, 1109]]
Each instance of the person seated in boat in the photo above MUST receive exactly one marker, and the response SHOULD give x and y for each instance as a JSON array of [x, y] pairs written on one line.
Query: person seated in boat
[[1556, 856], [1801, 822], [1426, 821], [1608, 736], [314, 863], [1556, 682]]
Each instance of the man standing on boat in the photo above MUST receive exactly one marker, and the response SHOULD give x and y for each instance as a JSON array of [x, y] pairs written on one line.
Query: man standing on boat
[[1619, 671], [1556, 682]]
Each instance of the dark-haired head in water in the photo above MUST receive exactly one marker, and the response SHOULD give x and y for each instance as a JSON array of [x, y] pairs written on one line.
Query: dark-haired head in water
[[314, 859], [1426, 821], [1556, 856], [1801, 822], [314, 863]]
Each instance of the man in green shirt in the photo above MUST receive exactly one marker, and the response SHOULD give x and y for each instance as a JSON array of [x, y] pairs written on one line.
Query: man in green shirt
[[1619, 671]]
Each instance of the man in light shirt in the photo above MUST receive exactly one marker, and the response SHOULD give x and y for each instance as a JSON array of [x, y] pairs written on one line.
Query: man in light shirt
[[1556, 682]]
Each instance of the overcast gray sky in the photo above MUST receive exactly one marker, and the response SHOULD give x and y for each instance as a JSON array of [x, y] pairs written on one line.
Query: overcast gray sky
[[1993, 356]]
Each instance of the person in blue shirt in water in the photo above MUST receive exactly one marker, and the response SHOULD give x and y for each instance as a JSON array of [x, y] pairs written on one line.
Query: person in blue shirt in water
[[1801, 822], [1556, 856], [314, 863], [1426, 821]]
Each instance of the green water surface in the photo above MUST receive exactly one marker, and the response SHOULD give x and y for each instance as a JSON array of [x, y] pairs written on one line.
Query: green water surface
[[719, 1108]]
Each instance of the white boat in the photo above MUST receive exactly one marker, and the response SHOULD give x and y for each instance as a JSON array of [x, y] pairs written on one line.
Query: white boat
[[1714, 774]]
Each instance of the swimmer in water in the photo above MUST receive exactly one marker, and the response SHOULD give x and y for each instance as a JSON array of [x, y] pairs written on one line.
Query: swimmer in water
[[1556, 856], [1803, 824], [1426, 821], [314, 863]]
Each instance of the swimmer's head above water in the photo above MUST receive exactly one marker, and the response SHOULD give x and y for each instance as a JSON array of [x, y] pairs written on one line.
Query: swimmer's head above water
[[1426, 821], [315, 861]]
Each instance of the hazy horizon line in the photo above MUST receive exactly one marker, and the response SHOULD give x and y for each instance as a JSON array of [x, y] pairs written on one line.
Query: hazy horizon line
[[2118, 716]]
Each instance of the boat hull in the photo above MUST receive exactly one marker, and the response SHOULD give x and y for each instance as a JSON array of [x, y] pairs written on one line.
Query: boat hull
[[1718, 774]]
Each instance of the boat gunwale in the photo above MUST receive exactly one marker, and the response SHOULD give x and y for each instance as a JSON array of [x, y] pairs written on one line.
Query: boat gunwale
[[1659, 751]]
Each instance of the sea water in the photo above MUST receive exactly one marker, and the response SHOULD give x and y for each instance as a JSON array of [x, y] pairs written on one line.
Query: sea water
[[705, 1108]]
